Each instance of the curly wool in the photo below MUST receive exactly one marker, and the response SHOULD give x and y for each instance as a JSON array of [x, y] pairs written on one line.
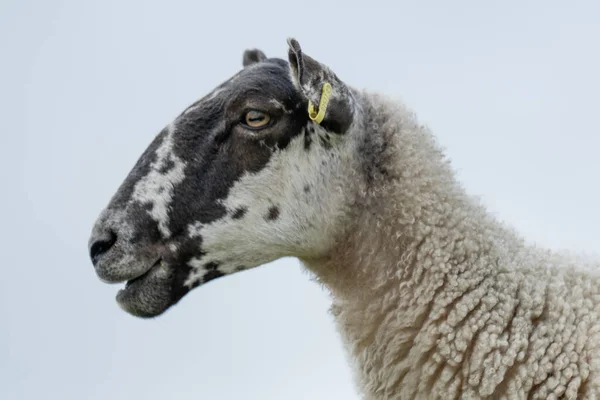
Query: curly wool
[[435, 298]]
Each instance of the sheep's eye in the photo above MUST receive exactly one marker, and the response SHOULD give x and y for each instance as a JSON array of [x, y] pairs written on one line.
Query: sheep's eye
[[256, 119]]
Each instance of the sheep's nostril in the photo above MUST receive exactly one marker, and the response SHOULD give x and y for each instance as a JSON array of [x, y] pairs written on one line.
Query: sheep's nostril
[[101, 246]]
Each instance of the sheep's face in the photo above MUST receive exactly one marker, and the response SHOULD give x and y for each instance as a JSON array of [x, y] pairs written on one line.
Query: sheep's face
[[241, 178]]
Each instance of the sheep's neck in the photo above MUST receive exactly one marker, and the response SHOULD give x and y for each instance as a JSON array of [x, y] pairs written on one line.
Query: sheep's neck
[[418, 254], [397, 286], [436, 299]]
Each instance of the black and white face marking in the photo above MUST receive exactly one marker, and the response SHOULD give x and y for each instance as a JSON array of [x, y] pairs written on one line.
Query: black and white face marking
[[241, 178]]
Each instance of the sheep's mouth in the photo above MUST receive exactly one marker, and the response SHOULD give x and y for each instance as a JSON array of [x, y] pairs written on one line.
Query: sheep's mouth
[[141, 277], [149, 294], [137, 282]]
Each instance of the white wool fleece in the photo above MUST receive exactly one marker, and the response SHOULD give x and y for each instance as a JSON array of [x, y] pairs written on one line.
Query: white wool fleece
[[434, 298]]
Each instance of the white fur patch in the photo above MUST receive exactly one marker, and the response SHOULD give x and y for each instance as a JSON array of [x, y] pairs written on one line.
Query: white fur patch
[[280, 106], [306, 188], [156, 187]]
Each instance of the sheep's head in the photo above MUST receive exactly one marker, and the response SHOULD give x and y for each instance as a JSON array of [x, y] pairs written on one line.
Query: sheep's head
[[241, 178]]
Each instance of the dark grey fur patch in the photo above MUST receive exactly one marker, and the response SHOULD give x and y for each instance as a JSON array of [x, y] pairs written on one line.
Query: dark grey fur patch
[[178, 287], [146, 230], [239, 213], [167, 166], [325, 141], [306, 189], [211, 266], [273, 213], [307, 141], [212, 274]]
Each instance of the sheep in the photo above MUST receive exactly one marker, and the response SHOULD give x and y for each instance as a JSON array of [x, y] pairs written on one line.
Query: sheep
[[433, 297]]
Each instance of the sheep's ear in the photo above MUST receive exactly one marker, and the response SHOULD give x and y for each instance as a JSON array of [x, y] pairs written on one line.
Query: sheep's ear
[[253, 56], [310, 77]]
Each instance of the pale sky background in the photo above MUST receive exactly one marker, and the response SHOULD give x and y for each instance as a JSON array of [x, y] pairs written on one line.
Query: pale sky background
[[512, 89]]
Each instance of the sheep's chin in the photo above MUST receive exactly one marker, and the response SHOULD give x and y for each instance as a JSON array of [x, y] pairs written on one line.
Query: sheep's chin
[[150, 294]]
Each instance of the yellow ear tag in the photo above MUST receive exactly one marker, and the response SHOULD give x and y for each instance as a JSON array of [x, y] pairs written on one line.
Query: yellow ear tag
[[318, 115]]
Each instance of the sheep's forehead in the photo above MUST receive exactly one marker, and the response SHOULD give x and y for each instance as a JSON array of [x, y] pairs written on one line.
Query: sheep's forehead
[[165, 186], [271, 78]]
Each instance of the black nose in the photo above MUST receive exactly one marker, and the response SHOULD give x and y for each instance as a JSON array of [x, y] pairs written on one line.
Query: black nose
[[101, 246]]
